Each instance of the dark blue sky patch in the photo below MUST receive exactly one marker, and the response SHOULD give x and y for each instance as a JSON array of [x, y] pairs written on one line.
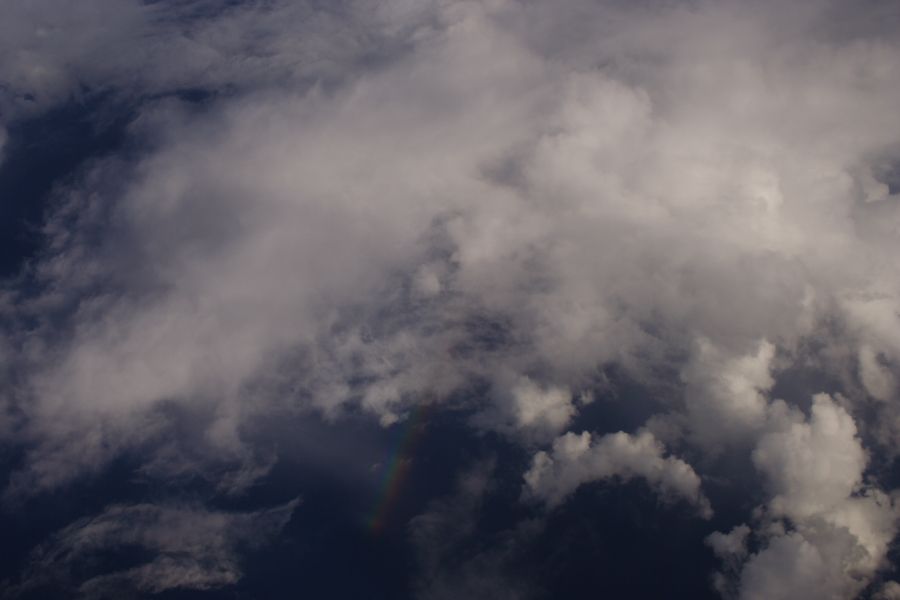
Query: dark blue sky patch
[[43, 152]]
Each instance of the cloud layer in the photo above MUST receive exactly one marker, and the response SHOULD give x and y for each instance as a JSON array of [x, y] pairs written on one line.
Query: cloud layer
[[483, 207]]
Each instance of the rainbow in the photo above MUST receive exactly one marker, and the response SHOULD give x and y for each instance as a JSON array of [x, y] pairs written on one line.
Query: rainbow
[[397, 469]]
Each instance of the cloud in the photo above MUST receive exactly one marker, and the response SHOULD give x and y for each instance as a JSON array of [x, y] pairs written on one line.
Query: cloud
[[576, 460], [731, 549], [729, 545], [185, 548], [482, 206], [823, 532], [54, 50], [790, 567], [877, 378], [600, 215], [522, 408], [889, 591], [811, 467], [726, 395]]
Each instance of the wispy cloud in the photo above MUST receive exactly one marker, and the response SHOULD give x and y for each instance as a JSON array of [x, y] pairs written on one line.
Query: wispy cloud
[[173, 547]]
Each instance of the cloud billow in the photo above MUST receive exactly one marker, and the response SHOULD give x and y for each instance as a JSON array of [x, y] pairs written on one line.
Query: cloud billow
[[376, 207]]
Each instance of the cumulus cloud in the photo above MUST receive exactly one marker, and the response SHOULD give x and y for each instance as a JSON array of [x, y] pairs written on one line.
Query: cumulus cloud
[[838, 529], [725, 396], [576, 460], [791, 567], [729, 545], [812, 466], [889, 591], [577, 208], [523, 409], [479, 205], [876, 377]]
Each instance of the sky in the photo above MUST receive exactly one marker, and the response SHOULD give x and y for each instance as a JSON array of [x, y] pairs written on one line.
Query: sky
[[438, 299]]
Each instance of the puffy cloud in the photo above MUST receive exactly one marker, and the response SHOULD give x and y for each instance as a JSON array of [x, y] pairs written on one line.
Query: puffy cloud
[[876, 377], [729, 545], [536, 407], [725, 396], [594, 215], [840, 529], [480, 204], [522, 408], [812, 466], [889, 591], [577, 459], [791, 567]]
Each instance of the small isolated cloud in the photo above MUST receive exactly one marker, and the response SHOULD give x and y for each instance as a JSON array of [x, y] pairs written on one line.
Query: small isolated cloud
[[525, 409], [578, 459], [731, 545]]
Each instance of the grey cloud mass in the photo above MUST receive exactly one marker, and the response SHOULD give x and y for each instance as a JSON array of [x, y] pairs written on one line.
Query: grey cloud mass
[[480, 207]]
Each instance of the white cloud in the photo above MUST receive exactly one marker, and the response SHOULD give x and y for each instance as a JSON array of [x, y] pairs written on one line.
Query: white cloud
[[576, 460], [729, 545], [790, 567], [889, 591], [536, 407], [522, 408], [602, 215], [392, 205], [876, 377], [725, 396], [840, 528], [812, 467]]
